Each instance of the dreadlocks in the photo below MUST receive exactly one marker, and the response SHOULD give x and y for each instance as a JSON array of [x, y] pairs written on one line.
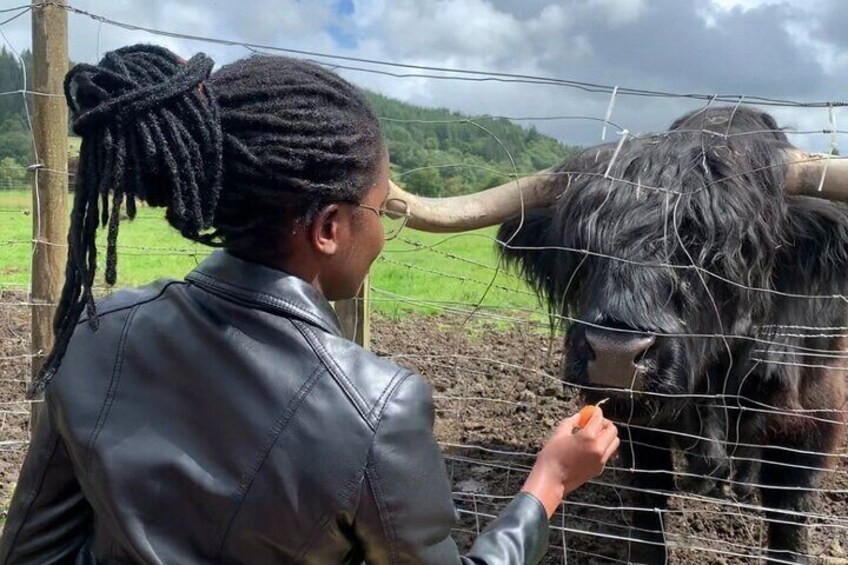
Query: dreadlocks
[[234, 157]]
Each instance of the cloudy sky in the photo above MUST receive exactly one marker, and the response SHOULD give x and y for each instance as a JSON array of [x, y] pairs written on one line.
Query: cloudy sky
[[779, 49]]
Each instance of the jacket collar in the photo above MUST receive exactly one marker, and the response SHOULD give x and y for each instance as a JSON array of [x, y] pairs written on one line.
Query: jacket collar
[[265, 288]]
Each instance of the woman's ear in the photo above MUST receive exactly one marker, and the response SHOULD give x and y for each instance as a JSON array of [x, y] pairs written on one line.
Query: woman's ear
[[326, 229]]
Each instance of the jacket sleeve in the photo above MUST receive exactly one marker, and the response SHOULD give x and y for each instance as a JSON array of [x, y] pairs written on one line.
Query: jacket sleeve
[[406, 511], [49, 519]]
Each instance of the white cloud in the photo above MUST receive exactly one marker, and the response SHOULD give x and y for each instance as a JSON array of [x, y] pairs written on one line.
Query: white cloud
[[746, 5], [457, 31], [619, 11], [832, 58], [756, 47]]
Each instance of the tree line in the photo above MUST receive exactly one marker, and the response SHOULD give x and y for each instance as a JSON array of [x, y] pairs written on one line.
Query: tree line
[[434, 152], [15, 139], [437, 152]]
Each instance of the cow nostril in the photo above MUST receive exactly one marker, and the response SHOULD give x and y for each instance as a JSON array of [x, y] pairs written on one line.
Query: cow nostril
[[645, 344], [626, 346]]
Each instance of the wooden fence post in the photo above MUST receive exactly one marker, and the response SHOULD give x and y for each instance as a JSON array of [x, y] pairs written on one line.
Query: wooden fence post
[[354, 315], [50, 174]]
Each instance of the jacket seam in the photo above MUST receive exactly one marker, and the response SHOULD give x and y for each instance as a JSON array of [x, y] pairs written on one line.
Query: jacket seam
[[337, 372], [33, 495], [100, 313], [106, 408], [276, 430], [260, 297], [373, 477], [382, 512], [322, 521], [380, 404], [316, 529]]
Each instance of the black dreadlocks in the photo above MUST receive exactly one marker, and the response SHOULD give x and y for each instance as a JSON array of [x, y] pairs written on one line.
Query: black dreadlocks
[[235, 157]]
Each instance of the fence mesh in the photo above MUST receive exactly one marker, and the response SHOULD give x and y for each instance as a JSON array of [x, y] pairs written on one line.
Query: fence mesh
[[446, 306]]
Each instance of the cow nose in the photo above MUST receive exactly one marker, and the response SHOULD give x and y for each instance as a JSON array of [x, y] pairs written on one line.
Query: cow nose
[[615, 358], [628, 346]]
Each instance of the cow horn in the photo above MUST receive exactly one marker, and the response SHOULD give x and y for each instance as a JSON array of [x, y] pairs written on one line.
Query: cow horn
[[808, 174], [816, 174], [471, 211]]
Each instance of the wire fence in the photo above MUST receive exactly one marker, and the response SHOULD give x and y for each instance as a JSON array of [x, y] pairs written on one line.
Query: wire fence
[[495, 355]]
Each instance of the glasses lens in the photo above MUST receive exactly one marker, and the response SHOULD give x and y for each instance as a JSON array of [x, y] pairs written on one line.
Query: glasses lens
[[394, 215], [395, 209], [392, 225]]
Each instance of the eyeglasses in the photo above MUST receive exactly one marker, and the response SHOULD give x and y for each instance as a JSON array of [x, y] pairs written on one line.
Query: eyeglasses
[[393, 215]]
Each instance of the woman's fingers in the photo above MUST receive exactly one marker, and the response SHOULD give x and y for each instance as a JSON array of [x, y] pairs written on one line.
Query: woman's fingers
[[613, 447]]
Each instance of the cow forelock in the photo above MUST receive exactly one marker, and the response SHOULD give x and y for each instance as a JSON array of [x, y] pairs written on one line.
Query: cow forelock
[[674, 219], [665, 235]]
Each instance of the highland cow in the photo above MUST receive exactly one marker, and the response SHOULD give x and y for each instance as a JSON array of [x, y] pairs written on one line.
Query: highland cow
[[686, 276], [692, 270]]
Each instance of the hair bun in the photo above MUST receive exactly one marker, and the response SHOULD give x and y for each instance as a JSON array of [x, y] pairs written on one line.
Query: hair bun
[[151, 132], [83, 93], [129, 82]]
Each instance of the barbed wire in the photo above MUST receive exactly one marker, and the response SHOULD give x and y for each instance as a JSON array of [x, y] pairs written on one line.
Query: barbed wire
[[456, 74]]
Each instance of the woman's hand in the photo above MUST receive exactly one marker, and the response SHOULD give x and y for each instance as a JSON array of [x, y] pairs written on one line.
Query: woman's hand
[[570, 458]]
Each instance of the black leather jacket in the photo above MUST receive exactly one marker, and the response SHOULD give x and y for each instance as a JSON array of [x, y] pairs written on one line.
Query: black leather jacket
[[224, 419]]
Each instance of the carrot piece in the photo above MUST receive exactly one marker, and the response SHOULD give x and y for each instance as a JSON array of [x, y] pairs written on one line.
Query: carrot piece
[[586, 414]]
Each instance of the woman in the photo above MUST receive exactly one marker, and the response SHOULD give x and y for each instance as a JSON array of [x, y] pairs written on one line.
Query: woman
[[224, 418]]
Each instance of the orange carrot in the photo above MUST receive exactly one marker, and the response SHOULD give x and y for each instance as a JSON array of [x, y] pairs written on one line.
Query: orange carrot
[[586, 414]]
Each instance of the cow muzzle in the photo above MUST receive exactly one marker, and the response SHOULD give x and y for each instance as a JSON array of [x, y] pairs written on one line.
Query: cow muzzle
[[617, 358]]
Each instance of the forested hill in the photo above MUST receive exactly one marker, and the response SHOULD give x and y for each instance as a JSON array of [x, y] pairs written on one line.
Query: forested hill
[[436, 152]]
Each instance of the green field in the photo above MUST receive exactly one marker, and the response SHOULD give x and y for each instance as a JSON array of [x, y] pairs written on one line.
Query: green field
[[417, 272], [74, 145]]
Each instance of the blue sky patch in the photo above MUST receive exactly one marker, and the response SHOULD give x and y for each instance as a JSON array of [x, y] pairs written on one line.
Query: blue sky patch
[[343, 37]]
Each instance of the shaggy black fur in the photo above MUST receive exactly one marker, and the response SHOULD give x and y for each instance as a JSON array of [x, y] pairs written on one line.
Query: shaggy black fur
[[688, 235]]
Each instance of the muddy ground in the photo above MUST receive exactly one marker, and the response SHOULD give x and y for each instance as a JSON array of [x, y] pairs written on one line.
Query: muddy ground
[[497, 396]]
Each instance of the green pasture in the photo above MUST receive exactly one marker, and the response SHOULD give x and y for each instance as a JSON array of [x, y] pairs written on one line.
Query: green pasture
[[417, 272], [74, 145]]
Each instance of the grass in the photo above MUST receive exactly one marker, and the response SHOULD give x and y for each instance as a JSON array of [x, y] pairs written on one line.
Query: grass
[[149, 249], [74, 145], [417, 272]]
